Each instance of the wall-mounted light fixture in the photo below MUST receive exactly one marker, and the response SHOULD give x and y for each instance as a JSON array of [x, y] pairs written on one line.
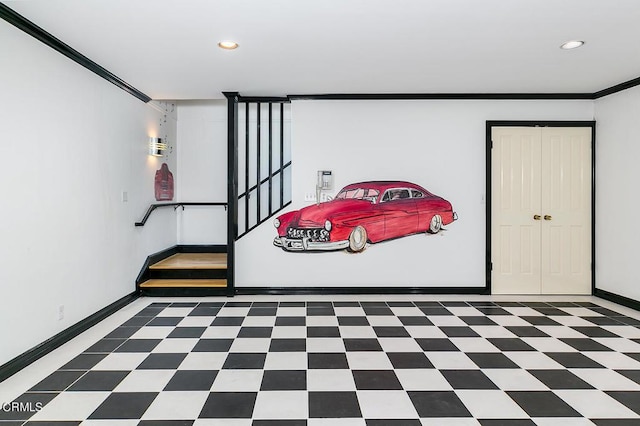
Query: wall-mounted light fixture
[[157, 147]]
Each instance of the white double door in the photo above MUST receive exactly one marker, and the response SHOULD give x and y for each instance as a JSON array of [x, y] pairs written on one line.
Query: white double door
[[541, 210]]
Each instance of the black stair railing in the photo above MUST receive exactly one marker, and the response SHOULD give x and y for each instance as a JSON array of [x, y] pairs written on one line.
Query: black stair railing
[[259, 165]]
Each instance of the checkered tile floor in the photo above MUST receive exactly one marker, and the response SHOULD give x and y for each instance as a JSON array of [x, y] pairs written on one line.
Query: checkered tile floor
[[351, 363]]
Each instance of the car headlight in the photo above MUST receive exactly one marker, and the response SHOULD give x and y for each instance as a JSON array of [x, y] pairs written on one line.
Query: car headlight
[[276, 223], [327, 225]]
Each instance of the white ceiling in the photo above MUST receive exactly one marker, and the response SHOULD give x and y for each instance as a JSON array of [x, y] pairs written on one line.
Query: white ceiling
[[168, 48]]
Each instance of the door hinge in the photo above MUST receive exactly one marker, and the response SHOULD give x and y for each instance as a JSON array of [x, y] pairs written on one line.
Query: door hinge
[[491, 144], [491, 266]]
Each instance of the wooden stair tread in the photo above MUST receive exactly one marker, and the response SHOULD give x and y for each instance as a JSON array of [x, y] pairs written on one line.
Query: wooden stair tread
[[193, 261], [183, 283]]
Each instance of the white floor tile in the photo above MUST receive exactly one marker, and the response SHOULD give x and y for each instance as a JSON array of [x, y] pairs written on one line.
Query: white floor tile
[[175, 346], [399, 344], [449, 422], [357, 332], [330, 380], [533, 360], [368, 361], [259, 321], [121, 361], [605, 380], [451, 361], [349, 311], [322, 321], [492, 331], [619, 344], [287, 332], [422, 379], [384, 321], [203, 361], [176, 406], [237, 381], [614, 360], [594, 404], [281, 405], [336, 422], [491, 404], [152, 333], [548, 344], [325, 344], [425, 332], [509, 379], [386, 405], [250, 345], [71, 406], [474, 344], [219, 332], [286, 361], [145, 381]]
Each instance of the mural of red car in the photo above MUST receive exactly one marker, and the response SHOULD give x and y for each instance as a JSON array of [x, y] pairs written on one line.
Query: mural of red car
[[363, 212]]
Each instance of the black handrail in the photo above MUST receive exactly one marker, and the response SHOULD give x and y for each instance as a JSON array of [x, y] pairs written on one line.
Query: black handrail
[[152, 207], [265, 180]]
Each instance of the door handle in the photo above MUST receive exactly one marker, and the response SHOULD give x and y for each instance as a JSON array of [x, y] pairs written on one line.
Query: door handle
[[547, 217], [536, 217]]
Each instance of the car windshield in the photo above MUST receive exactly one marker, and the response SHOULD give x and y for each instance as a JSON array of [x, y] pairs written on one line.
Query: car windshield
[[359, 194]]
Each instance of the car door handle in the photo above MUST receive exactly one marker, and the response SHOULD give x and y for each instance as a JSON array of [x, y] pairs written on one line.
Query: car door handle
[[536, 217], [547, 217]]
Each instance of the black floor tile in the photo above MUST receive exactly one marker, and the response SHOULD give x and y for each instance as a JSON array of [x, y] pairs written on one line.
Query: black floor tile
[[476, 303], [314, 312], [353, 321], [542, 404], [507, 344], [435, 311], [346, 304], [162, 362], [227, 321], [264, 305], [333, 405], [280, 380], [478, 320], [362, 345], [630, 399], [438, 404], [594, 332], [258, 332], [540, 320], [509, 304], [492, 310], [415, 320], [492, 360], [191, 380], [455, 304], [409, 360], [560, 379], [137, 322], [187, 333], [229, 405], [436, 345], [552, 311], [184, 304], [262, 312], [210, 304], [400, 304], [585, 345], [573, 360], [526, 331], [603, 320], [204, 311], [138, 345], [237, 304], [47, 423], [323, 332], [288, 345], [279, 423], [393, 422], [125, 405], [327, 361], [213, 345], [164, 322], [458, 331], [57, 381], [105, 346], [377, 311], [292, 304], [391, 332], [606, 312], [507, 422], [630, 374], [468, 379], [83, 362], [99, 381], [291, 321], [122, 333], [376, 380], [241, 361]]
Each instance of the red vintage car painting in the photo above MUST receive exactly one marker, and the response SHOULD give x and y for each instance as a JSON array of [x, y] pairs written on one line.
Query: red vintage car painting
[[361, 213]]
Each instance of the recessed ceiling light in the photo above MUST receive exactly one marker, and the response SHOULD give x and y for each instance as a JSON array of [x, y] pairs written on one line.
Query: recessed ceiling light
[[228, 44], [572, 44]]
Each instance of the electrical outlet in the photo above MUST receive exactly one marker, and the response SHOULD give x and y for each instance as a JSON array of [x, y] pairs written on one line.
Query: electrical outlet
[[60, 312], [125, 196], [310, 196]]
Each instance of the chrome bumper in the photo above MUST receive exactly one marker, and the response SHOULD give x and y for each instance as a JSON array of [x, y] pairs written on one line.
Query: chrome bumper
[[304, 244]]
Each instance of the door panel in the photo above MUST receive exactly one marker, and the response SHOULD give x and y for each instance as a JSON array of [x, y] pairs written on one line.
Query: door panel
[[566, 200], [515, 239], [544, 172]]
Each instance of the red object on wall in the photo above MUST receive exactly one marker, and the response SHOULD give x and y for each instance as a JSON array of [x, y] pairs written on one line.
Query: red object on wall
[[164, 183]]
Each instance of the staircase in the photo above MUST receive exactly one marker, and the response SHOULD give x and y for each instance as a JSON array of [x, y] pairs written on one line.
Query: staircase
[[184, 274]]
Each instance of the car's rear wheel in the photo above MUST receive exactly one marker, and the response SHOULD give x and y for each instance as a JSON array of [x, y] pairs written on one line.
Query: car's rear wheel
[[436, 224], [358, 239]]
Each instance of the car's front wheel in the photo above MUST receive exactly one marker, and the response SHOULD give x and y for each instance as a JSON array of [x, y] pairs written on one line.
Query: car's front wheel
[[436, 224], [357, 239]]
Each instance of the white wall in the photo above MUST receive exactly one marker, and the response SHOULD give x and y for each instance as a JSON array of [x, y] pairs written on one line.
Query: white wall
[[202, 161], [71, 143], [617, 201], [437, 144]]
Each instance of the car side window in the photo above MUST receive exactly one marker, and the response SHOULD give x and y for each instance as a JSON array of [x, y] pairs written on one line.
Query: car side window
[[416, 194], [396, 194]]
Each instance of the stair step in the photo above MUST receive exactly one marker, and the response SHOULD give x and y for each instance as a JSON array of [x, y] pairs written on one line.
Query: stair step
[[184, 283], [193, 261]]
